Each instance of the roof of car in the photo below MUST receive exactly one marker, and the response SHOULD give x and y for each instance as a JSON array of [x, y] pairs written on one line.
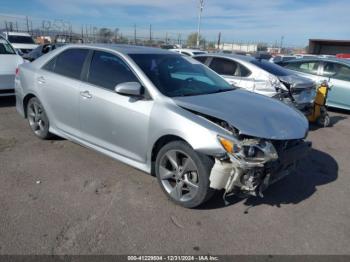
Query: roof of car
[[187, 49], [241, 57], [125, 49], [17, 33]]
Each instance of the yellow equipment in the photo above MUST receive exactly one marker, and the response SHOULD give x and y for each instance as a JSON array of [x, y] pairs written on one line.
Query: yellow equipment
[[319, 112]]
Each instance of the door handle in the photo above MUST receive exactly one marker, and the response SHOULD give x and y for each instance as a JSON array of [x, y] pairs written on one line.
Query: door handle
[[86, 94], [41, 80]]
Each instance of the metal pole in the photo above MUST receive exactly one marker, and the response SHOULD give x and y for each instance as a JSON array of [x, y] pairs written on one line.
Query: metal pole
[[135, 34], [150, 33], [201, 4]]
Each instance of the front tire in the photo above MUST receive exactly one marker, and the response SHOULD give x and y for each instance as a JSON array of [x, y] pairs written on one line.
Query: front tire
[[37, 118], [183, 174]]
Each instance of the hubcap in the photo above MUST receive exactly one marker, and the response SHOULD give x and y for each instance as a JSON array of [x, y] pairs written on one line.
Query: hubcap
[[35, 117], [179, 175]]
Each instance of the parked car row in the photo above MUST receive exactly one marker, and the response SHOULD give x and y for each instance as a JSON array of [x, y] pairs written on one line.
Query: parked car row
[[166, 114]]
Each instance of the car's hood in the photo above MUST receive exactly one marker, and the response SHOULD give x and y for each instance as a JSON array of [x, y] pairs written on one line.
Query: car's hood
[[297, 82], [252, 114]]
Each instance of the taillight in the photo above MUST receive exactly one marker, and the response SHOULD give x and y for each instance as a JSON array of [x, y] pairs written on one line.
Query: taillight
[[17, 71]]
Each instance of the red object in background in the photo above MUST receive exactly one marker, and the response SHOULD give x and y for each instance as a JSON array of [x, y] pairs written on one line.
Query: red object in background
[[343, 55]]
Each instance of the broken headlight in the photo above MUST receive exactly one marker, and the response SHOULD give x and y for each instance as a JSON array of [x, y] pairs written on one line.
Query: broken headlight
[[250, 150]]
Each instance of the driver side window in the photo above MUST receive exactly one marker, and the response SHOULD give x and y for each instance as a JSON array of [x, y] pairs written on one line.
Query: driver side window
[[107, 71]]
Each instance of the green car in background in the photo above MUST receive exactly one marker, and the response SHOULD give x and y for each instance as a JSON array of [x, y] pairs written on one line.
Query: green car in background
[[336, 71]]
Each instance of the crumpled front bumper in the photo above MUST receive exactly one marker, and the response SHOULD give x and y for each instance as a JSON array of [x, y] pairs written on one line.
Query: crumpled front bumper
[[228, 173]]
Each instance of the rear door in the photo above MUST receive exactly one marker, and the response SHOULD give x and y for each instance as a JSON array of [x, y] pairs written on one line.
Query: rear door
[[58, 83], [338, 76], [9, 61], [113, 122], [310, 69]]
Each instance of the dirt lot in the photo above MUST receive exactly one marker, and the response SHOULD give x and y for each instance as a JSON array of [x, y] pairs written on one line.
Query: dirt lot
[[57, 197]]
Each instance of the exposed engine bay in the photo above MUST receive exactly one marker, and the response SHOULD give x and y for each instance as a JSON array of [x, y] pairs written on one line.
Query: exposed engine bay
[[252, 164]]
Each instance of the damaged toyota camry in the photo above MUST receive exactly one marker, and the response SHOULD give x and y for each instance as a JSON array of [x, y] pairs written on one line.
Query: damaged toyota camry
[[164, 114]]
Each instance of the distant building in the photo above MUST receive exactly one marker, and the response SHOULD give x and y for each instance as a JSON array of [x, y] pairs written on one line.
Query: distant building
[[328, 47], [274, 50], [236, 47]]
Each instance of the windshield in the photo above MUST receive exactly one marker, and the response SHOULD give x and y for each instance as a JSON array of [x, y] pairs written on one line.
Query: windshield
[[20, 39], [6, 48], [271, 68], [175, 75]]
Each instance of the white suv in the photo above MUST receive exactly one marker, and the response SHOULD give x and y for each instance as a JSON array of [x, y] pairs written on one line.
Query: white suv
[[22, 42]]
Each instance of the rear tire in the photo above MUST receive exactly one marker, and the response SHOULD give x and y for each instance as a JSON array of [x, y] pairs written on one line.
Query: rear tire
[[37, 118], [183, 174]]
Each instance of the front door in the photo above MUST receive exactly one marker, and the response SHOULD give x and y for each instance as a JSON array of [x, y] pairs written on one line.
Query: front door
[[111, 121]]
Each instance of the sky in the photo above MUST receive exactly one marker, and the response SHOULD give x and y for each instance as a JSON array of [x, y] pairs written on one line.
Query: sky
[[237, 20]]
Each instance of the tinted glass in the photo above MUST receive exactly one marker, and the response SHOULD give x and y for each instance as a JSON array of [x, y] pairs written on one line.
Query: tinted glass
[[201, 59], [198, 53], [108, 70], [270, 67], [176, 75], [223, 66], [70, 62], [6, 48], [50, 66], [20, 39], [243, 71]]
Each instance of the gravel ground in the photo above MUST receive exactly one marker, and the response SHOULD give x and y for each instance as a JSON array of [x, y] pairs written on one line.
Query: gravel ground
[[57, 197]]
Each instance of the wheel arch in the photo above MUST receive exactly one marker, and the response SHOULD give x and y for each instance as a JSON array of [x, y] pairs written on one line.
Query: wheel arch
[[160, 142]]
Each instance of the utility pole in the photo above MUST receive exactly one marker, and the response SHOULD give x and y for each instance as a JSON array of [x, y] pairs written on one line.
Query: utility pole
[[150, 33], [135, 34], [201, 5], [27, 22], [282, 38], [219, 40]]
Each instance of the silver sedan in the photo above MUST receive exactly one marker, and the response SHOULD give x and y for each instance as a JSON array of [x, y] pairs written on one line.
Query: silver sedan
[[165, 114]]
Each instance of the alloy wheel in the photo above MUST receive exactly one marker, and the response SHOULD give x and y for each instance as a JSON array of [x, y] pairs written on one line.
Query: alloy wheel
[[179, 175], [37, 119]]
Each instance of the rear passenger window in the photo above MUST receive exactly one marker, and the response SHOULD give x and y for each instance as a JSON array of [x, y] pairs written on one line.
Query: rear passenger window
[[306, 67], [68, 63], [107, 70], [223, 66]]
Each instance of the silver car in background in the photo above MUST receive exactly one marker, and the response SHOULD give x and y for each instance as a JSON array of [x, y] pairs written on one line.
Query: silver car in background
[[262, 77], [165, 114]]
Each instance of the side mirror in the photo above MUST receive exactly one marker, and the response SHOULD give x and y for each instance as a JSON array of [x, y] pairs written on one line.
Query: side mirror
[[129, 89]]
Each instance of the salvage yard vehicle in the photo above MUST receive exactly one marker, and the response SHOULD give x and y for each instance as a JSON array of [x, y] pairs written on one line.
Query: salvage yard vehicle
[[9, 61], [164, 114], [188, 52], [262, 77], [21, 41], [335, 71]]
